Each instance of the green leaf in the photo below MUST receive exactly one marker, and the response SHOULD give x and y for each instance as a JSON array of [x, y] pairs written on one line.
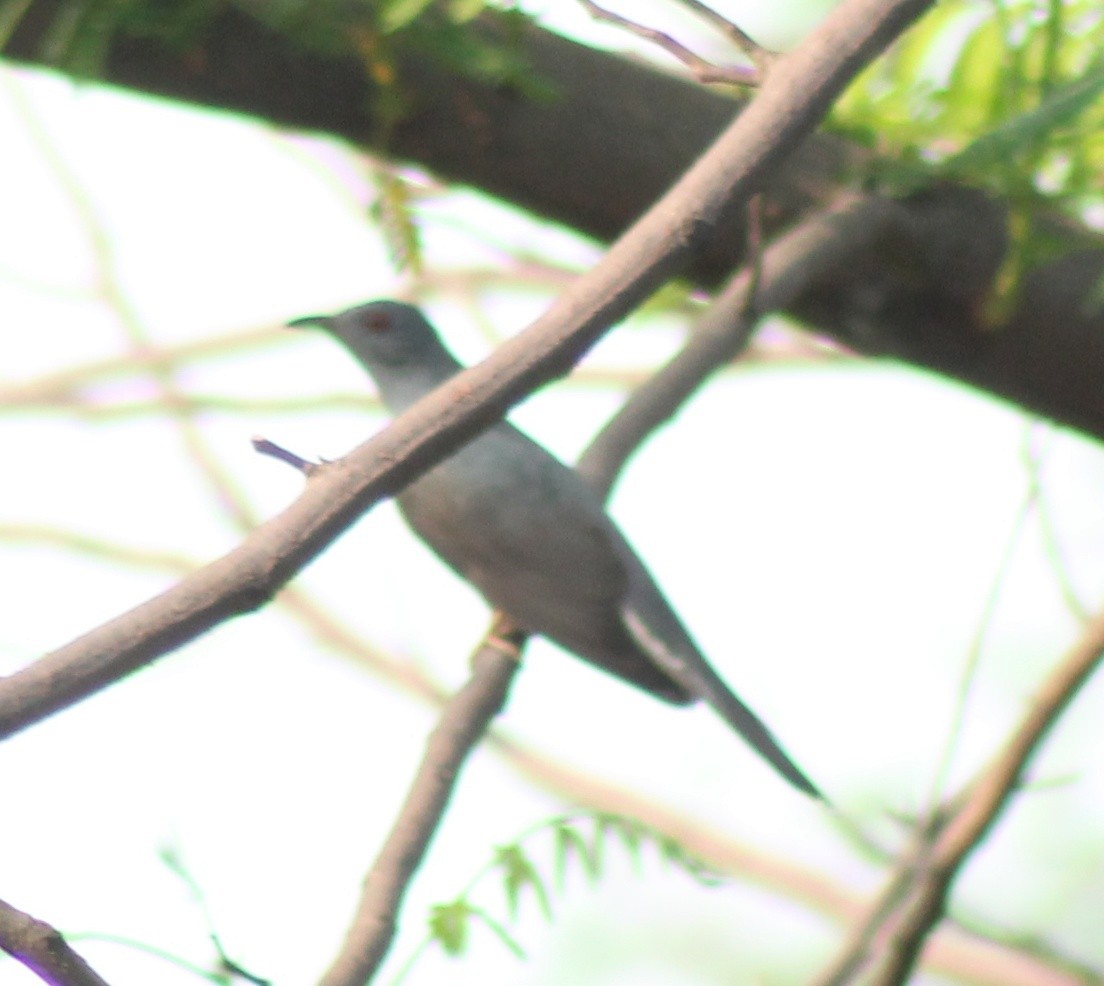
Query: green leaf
[[1058, 110], [520, 873], [397, 222], [503, 935], [448, 925], [627, 830], [570, 843], [972, 99], [913, 56], [675, 852], [399, 13], [462, 11]]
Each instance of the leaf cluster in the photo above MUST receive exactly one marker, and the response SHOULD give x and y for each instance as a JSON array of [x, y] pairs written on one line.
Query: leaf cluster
[[1007, 95], [578, 842], [1004, 95]]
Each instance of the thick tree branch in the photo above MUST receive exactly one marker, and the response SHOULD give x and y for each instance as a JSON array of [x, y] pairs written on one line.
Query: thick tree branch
[[791, 102], [609, 140], [577, 159], [920, 298]]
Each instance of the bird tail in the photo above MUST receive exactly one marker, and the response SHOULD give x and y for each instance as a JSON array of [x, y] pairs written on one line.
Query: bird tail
[[693, 673]]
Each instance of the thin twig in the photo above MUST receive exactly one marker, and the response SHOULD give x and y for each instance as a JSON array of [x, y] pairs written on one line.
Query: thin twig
[[66, 385], [1033, 455], [754, 253], [174, 861], [263, 446], [704, 71], [972, 662], [761, 57]]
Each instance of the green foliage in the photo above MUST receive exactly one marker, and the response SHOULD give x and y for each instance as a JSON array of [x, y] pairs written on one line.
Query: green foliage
[[581, 842], [382, 32], [518, 873], [225, 972], [1004, 94], [1054, 116], [397, 14], [79, 36], [448, 924]]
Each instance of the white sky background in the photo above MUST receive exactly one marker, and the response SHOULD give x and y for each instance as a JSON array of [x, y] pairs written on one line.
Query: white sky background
[[829, 533]]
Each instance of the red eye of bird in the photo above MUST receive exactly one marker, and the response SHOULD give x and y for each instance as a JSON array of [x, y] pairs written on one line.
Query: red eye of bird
[[379, 323]]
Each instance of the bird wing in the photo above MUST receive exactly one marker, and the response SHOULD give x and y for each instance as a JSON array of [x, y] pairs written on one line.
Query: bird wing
[[535, 541]]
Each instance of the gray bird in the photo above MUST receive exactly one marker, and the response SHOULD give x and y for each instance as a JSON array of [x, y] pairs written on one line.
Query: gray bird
[[534, 538]]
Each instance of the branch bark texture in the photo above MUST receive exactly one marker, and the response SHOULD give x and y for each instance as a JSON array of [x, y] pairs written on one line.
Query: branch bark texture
[[42, 949]]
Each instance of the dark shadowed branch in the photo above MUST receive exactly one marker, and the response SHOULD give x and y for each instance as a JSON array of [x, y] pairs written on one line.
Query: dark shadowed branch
[[576, 159]]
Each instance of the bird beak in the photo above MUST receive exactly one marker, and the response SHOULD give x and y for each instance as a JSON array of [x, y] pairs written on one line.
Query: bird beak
[[299, 323]]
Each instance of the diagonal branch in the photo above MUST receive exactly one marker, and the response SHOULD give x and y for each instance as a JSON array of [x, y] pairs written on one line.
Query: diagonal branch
[[886, 947], [788, 266], [460, 727]]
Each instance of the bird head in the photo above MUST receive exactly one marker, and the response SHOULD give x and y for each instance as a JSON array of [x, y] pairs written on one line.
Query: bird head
[[384, 333], [395, 344]]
